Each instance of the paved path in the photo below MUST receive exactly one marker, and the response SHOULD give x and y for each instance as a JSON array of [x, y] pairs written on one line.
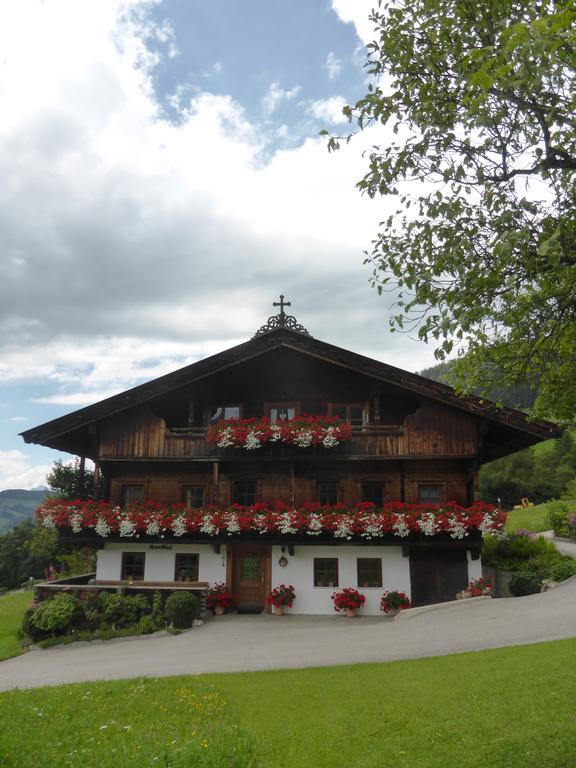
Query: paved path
[[242, 643]]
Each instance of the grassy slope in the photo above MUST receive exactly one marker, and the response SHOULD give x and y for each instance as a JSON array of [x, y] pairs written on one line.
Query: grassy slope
[[12, 607], [533, 519], [510, 707]]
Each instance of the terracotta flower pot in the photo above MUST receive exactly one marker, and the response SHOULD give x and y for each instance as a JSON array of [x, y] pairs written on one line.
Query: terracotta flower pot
[[219, 610], [279, 610], [350, 612]]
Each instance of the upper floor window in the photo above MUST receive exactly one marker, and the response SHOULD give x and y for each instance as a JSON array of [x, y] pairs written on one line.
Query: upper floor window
[[194, 496], [133, 494], [279, 412], [429, 493], [354, 414], [245, 492], [223, 412], [374, 493], [327, 491]]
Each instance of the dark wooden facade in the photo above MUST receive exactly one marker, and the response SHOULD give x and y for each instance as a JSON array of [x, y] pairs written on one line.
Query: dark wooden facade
[[416, 432]]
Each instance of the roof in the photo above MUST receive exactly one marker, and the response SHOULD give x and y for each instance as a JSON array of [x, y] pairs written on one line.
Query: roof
[[278, 338]]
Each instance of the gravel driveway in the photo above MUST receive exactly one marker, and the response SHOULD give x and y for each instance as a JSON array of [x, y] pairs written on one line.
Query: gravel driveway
[[243, 643]]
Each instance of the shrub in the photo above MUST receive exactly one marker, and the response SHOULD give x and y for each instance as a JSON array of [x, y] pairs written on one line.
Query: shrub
[[181, 609], [525, 583], [56, 615], [560, 513], [122, 610], [513, 551], [158, 615], [147, 625]]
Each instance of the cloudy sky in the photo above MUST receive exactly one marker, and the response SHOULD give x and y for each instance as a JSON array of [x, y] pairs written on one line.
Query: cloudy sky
[[163, 181]]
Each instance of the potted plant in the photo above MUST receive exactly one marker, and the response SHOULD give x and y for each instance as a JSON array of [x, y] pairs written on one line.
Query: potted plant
[[282, 597], [478, 587], [393, 601], [348, 600], [219, 598]]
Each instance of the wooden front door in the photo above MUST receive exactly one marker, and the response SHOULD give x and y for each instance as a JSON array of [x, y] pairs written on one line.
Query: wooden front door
[[250, 575], [436, 575]]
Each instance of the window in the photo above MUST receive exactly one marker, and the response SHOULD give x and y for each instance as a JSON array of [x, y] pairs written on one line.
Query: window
[[245, 492], [369, 571], [373, 492], [355, 415], [222, 412], [281, 412], [132, 494], [133, 566], [186, 567], [327, 492], [429, 494], [325, 571], [194, 496]]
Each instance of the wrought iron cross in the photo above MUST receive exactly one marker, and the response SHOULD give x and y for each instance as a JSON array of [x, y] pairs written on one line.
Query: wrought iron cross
[[282, 304]]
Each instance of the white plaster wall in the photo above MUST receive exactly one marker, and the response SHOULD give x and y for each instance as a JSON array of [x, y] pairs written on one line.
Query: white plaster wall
[[160, 563], [316, 600], [474, 567]]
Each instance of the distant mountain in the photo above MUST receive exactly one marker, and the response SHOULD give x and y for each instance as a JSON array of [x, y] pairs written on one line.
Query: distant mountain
[[17, 505]]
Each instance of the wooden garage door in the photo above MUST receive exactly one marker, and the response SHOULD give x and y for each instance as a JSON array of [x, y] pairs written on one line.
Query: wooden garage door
[[436, 575]]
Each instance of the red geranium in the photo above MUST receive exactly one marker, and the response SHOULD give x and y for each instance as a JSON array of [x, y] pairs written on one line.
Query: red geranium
[[348, 598]]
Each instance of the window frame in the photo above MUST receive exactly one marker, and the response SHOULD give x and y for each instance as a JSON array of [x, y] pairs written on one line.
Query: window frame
[[373, 484], [195, 567], [268, 406], [123, 491], [325, 581], [439, 486], [124, 575], [235, 493], [362, 582], [185, 488], [365, 413], [210, 408], [336, 488]]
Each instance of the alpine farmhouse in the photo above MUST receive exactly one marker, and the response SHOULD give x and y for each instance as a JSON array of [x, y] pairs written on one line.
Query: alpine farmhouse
[[287, 460]]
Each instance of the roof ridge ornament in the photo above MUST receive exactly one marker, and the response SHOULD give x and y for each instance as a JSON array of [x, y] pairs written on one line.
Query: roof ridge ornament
[[281, 320]]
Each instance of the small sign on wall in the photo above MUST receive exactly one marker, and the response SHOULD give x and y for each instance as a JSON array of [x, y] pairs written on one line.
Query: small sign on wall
[[160, 546]]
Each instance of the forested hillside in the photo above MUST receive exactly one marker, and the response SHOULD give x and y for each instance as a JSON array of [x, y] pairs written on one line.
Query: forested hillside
[[546, 471], [18, 505]]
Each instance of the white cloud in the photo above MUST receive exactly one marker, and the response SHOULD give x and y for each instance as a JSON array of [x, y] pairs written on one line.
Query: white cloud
[[333, 65], [329, 110], [17, 472], [357, 12], [276, 96], [132, 246]]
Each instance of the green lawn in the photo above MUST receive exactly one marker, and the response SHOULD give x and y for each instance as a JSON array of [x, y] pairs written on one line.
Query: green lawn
[[12, 607], [510, 707], [533, 519]]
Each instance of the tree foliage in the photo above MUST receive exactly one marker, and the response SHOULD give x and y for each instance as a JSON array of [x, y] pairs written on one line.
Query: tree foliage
[[68, 481], [479, 104]]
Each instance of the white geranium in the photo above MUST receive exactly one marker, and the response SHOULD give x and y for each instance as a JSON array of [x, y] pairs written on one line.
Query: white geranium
[[178, 526], [342, 530], [126, 527], [457, 530], [285, 523], [315, 524], [48, 522], [252, 440], [400, 526], [275, 433], [102, 528], [330, 440], [208, 526], [303, 438], [225, 438], [372, 527], [76, 522], [153, 528], [232, 524], [427, 523]]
